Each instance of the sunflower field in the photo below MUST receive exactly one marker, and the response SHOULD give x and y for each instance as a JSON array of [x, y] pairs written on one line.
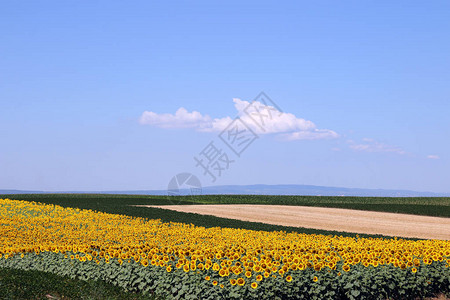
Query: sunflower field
[[183, 261]]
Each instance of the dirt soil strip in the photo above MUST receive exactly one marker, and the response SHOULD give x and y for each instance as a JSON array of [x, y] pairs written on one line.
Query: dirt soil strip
[[349, 220]]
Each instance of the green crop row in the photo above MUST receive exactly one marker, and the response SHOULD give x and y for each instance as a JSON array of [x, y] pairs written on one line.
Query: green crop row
[[382, 282], [16, 284], [432, 206]]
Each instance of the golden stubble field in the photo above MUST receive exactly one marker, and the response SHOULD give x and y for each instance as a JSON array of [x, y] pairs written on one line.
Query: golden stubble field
[[348, 220]]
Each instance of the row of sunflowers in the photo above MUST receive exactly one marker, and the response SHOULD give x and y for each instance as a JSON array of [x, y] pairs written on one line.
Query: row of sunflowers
[[184, 261]]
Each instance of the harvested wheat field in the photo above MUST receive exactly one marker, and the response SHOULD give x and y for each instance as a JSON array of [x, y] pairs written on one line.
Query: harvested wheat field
[[369, 222]]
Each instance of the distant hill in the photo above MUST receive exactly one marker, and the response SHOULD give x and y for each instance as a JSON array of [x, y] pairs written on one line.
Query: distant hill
[[313, 190], [20, 192], [264, 189]]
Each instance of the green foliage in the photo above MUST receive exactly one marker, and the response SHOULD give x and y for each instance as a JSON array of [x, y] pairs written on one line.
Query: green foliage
[[32, 284], [383, 282], [431, 206]]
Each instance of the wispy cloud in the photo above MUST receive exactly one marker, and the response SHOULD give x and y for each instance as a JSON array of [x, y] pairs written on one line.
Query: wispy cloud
[[433, 156], [370, 145], [181, 119], [260, 118]]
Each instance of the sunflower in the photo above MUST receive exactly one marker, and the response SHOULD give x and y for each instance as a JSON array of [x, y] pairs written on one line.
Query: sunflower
[[414, 270], [289, 278], [233, 281], [215, 282], [207, 278], [259, 277], [315, 279], [240, 281], [346, 268], [216, 267], [254, 285], [144, 262]]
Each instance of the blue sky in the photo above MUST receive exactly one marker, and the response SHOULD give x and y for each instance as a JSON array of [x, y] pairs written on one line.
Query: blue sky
[[77, 79]]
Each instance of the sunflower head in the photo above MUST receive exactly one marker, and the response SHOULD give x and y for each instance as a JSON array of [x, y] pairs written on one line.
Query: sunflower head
[[240, 281]]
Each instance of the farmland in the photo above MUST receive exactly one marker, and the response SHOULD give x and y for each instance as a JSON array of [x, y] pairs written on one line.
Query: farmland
[[326, 218], [172, 254]]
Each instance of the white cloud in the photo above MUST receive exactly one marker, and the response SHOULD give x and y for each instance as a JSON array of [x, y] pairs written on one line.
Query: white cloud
[[260, 118], [370, 145], [315, 134], [433, 156], [181, 119]]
